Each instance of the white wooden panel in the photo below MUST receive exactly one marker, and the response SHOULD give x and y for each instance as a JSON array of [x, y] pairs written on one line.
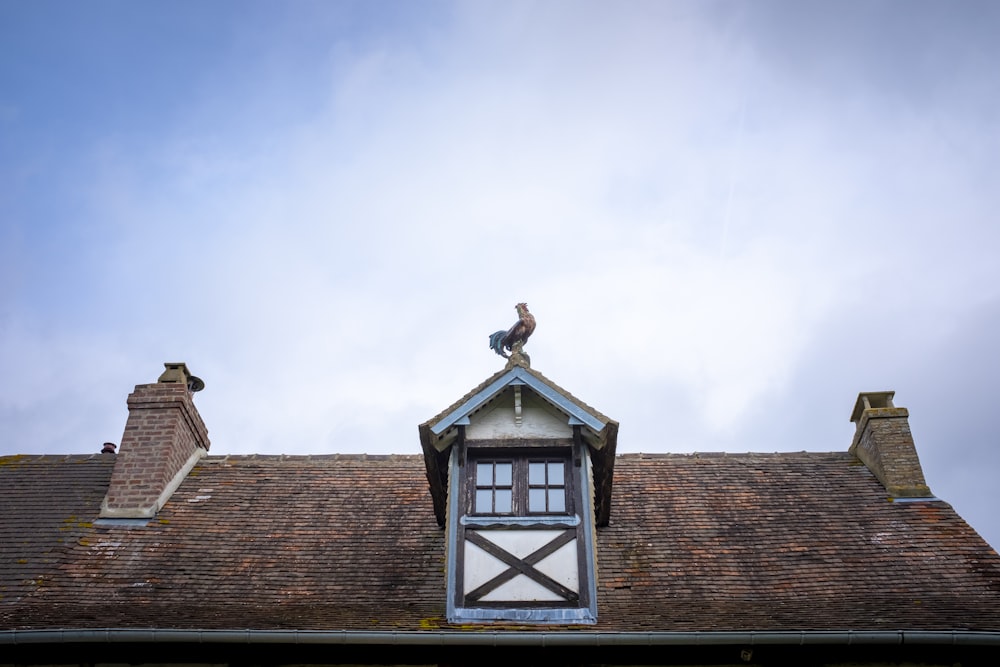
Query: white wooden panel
[[563, 567], [520, 543], [521, 589], [480, 567]]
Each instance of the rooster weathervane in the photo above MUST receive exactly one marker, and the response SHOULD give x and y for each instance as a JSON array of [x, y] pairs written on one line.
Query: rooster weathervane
[[513, 339]]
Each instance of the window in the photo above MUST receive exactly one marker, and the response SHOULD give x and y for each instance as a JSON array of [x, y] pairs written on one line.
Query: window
[[494, 487], [546, 486], [520, 486]]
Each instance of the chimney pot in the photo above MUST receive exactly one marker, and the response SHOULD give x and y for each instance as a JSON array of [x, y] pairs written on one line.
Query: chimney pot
[[872, 400], [109, 448], [177, 373]]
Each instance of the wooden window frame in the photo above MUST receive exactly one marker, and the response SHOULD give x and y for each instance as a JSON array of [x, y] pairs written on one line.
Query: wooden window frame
[[520, 487]]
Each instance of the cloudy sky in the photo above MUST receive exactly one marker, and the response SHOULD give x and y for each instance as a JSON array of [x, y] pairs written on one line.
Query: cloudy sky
[[729, 218]]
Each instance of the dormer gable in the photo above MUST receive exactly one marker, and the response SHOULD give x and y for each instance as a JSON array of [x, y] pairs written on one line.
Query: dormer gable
[[519, 403], [520, 473]]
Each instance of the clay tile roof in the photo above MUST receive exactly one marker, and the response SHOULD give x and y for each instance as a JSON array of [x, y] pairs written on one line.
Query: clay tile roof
[[47, 503], [726, 542], [788, 541]]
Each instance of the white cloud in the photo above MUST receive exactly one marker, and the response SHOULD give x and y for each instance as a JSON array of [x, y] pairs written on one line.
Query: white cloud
[[706, 209]]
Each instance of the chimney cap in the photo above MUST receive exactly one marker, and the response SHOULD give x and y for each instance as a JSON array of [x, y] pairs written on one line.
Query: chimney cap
[[868, 400], [109, 448], [177, 372]]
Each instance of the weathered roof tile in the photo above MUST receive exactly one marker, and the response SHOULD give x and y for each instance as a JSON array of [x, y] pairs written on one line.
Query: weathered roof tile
[[800, 541]]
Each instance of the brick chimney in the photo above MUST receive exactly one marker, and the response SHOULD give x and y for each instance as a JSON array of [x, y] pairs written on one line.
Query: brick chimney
[[164, 437], [883, 443]]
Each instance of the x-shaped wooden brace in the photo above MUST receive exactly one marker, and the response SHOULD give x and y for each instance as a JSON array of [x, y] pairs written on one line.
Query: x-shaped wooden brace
[[523, 566]]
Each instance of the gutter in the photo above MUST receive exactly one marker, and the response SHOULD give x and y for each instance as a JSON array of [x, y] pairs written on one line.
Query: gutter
[[492, 638]]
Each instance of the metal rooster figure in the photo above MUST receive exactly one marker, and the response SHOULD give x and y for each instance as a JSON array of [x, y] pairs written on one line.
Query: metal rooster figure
[[514, 338]]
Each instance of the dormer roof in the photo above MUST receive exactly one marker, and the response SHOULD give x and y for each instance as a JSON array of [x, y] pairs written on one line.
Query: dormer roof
[[598, 431]]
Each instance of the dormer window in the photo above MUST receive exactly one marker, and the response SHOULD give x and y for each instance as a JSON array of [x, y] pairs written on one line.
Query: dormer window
[[523, 533], [520, 486], [520, 473]]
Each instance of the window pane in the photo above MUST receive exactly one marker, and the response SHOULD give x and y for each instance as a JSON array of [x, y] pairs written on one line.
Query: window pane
[[484, 501], [536, 474], [556, 474], [504, 474], [557, 500], [484, 474], [504, 502], [536, 500]]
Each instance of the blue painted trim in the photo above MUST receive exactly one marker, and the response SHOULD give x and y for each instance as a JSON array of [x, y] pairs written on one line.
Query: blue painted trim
[[518, 375], [451, 546], [114, 522], [568, 520], [573, 616], [590, 526]]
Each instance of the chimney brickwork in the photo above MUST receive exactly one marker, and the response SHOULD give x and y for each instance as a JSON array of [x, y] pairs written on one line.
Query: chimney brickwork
[[883, 442], [164, 437]]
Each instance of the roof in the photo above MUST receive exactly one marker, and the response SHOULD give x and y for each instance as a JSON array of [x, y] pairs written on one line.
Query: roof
[[712, 543]]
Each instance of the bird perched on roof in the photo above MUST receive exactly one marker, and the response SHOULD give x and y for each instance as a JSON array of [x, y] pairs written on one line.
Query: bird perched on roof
[[517, 335]]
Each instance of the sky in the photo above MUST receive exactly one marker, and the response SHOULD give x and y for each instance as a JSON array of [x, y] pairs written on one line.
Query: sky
[[729, 218]]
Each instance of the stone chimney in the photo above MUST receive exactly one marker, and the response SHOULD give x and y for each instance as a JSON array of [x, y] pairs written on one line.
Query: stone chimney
[[883, 443], [164, 437]]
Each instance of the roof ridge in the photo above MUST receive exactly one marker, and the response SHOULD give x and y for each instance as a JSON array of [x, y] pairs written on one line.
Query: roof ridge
[[719, 455], [11, 458], [333, 456]]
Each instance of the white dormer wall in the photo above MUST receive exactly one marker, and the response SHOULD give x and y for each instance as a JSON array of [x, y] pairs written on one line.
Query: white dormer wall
[[535, 419]]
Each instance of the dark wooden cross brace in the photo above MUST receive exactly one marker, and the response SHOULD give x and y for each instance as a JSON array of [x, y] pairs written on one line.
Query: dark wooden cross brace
[[523, 566]]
